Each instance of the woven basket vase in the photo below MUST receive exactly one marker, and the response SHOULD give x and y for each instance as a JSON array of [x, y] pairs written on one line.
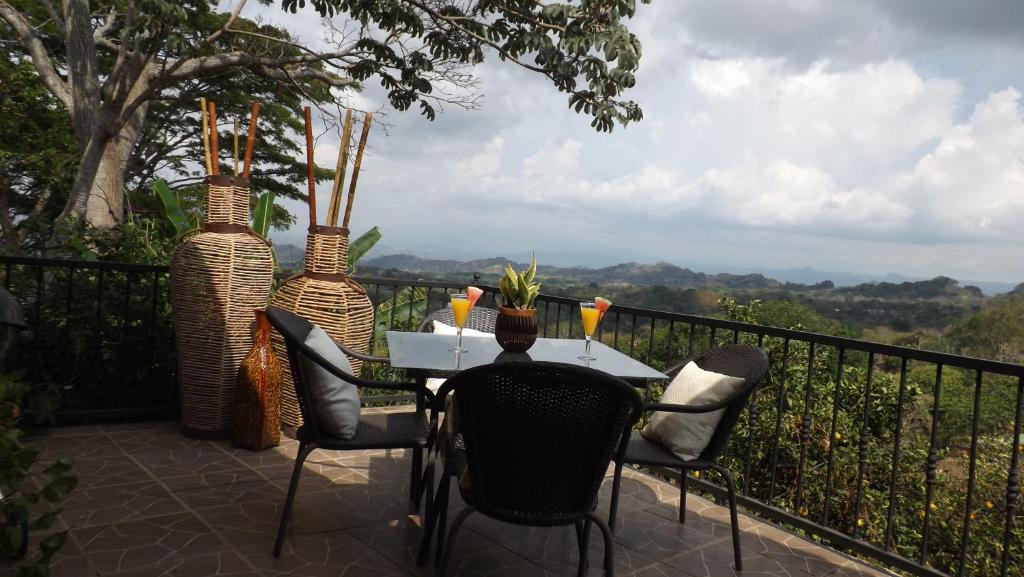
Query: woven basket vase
[[218, 277], [325, 295]]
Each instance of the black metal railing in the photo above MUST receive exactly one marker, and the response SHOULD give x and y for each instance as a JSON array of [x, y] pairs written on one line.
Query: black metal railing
[[907, 456]]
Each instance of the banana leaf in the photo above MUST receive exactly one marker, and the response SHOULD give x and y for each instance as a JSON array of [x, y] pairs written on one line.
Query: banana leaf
[[362, 245], [172, 208], [262, 214]]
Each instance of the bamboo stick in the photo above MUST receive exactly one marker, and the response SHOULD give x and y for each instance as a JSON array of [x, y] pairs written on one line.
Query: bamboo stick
[[206, 139], [250, 139], [310, 166], [355, 168], [214, 138], [236, 146], [339, 173]]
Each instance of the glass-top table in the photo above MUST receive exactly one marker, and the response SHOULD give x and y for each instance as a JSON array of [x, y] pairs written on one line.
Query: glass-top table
[[427, 355]]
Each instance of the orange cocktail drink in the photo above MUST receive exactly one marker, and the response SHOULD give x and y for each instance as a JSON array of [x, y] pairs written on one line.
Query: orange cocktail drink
[[591, 314], [590, 317], [460, 310]]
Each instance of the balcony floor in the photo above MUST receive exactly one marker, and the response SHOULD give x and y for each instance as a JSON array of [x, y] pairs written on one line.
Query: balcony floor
[[151, 503]]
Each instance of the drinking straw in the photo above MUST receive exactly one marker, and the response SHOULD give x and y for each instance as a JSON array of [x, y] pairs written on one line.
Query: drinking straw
[[310, 167], [339, 173], [236, 146], [250, 139], [214, 162], [206, 138], [355, 168]]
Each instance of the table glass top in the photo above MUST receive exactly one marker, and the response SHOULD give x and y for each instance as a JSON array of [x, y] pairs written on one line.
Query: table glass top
[[428, 353]]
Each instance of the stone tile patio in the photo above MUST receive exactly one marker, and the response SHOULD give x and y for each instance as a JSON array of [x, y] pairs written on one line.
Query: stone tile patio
[[152, 503]]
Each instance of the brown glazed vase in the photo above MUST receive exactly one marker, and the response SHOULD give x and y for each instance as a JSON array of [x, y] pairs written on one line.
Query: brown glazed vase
[[516, 329], [258, 393]]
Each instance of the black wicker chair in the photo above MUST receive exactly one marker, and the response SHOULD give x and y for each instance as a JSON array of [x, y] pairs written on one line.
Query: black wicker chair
[[480, 318], [405, 430], [536, 441], [736, 360]]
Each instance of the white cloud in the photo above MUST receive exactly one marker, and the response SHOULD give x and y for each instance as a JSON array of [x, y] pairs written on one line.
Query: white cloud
[[971, 186], [483, 163]]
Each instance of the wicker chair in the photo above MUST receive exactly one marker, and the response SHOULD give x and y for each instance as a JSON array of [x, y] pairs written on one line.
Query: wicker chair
[[406, 430], [748, 362], [537, 438], [480, 318]]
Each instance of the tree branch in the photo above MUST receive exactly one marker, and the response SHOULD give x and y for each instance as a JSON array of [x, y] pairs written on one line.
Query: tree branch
[[37, 51]]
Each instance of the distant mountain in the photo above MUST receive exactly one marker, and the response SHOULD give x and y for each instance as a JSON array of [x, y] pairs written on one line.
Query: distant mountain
[[893, 286], [630, 273]]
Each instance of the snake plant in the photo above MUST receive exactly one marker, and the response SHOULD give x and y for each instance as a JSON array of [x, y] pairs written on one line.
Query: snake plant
[[518, 288]]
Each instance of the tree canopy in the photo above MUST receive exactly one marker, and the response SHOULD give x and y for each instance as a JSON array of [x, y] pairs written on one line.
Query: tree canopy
[[123, 70]]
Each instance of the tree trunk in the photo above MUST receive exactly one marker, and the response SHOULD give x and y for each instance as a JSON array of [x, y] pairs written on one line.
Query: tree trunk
[[98, 191]]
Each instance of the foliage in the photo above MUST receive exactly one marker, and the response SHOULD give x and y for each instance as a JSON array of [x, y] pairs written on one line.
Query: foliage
[[262, 214], [996, 332], [568, 42], [519, 289], [20, 406], [358, 248], [38, 154]]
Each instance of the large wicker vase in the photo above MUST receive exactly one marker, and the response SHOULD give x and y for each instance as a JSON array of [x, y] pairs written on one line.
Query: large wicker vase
[[325, 295], [258, 393], [218, 278]]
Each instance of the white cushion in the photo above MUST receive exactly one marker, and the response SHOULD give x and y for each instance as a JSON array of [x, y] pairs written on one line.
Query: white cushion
[[434, 384], [686, 435], [336, 401], [445, 329]]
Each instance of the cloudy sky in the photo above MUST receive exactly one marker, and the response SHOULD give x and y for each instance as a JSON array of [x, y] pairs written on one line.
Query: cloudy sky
[[865, 136]]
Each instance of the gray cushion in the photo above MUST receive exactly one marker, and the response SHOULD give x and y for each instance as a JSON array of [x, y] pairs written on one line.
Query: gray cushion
[[335, 401]]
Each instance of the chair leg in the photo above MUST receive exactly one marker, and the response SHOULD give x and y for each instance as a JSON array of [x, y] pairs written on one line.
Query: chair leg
[[614, 505], [417, 476], [683, 476], [609, 544], [436, 502], [442, 522], [456, 525], [293, 485], [733, 516], [583, 541]]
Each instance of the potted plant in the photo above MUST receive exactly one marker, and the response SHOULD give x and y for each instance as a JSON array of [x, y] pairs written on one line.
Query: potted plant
[[516, 327]]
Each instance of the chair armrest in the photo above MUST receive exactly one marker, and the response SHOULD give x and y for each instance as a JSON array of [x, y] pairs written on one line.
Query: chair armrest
[[366, 383], [706, 408], [365, 358], [674, 369]]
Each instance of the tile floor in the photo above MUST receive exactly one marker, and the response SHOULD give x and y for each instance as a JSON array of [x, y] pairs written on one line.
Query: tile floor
[[151, 503]]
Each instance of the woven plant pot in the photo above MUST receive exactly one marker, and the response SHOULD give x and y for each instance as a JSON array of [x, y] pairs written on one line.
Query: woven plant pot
[[516, 329], [325, 295], [218, 277]]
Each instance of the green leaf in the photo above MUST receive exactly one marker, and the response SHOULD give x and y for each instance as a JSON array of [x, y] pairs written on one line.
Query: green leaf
[[532, 271], [172, 208], [263, 213], [360, 246]]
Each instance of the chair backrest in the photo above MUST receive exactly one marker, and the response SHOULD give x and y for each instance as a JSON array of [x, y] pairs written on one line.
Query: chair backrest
[[294, 329], [735, 360], [480, 319], [539, 437]]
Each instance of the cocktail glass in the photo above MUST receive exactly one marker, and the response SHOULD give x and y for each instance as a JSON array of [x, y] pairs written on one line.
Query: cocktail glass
[[591, 316], [460, 310]]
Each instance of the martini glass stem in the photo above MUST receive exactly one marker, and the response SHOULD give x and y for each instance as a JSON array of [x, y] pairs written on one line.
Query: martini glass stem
[[458, 339], [586, 350]]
